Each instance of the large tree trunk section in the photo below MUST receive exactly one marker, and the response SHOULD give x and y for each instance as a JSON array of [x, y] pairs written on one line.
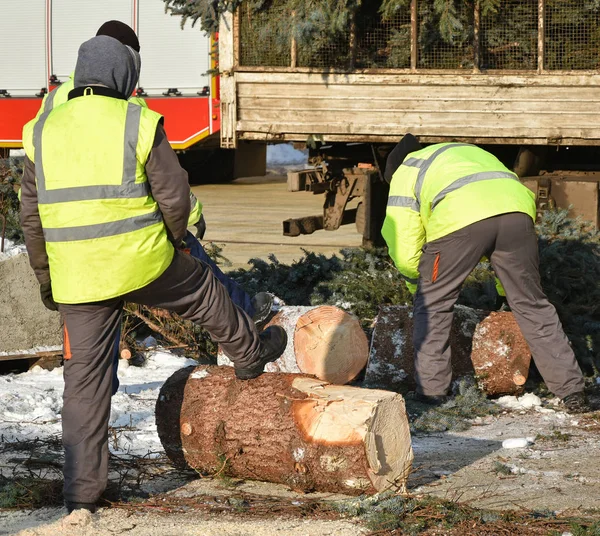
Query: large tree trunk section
[[391, 360], [285, 428], [501, 356], [323, 341]]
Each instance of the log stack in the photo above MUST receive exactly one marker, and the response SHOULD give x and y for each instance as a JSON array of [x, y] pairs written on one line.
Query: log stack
[[323, 341], [285, 428]]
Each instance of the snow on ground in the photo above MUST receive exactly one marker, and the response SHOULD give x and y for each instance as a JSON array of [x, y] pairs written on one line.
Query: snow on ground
[[31, 402], [282, 157], [284, 153], [11, 249]]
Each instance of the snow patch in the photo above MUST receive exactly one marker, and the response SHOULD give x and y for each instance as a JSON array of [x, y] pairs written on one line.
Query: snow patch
[[517, 442], [199, 374], [31, 404], [299, 454], [284, 154], [527, 401], [11, 249]]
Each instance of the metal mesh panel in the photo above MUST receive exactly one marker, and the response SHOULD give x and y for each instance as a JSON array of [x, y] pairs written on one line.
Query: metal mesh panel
[[325, 50], [572, 34], [509, 36], [445, 39], [264, 40], [383, 43]]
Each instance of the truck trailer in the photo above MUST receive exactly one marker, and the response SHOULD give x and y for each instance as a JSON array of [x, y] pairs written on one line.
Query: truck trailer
[[521, 80]]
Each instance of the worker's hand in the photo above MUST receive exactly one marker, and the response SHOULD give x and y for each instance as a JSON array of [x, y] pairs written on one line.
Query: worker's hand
[[46, 295], [200, 228], [412, 288]]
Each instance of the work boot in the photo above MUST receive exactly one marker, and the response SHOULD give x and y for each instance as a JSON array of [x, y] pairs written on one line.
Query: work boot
[[273, 341], [576, 403], [90, 507], [431, 400], [262, 303]]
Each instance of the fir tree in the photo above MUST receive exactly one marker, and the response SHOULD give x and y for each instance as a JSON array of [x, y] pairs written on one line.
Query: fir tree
[[322, 31]]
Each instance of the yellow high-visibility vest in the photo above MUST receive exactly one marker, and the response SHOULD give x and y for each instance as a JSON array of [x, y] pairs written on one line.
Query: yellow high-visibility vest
[[444, 188], [103, 229]]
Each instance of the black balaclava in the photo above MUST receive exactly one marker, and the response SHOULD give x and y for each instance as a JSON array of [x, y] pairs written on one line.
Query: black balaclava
[[408, 144]]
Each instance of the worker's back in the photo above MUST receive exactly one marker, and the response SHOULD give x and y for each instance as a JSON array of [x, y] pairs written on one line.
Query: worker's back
[[455, 185], [104, 231]]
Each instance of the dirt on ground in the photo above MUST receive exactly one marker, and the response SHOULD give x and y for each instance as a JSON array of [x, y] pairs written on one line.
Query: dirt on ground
[[557, 472]]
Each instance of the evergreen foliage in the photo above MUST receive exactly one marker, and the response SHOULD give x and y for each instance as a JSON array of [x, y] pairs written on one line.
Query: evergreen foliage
[[321, 29], [570, 272], [454, 415], [295, 283]]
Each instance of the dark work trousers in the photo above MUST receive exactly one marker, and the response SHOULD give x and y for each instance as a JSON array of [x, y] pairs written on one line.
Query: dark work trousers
[[237, 294], [188, 288], [510, 242]]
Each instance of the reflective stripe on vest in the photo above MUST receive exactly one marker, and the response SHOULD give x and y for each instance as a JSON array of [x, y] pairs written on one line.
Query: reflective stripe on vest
[[426, 164], [101, 230], [469, 179], [128, 189], [403, 201], [50, 101]]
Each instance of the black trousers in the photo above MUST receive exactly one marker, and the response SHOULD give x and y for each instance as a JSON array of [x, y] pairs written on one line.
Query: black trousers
[[187, 287]]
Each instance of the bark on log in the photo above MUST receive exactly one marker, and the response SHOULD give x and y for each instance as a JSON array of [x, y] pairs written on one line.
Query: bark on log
[[391, 359], [323, 341], [285, 428], [501, 356]]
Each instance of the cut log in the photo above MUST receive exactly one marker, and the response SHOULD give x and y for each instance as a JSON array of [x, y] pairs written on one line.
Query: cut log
[[124, 351], [323, 341], [391, 359], [500, 356], [285, 428]]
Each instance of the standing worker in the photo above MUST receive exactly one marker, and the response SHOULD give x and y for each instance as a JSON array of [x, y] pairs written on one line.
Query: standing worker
[[105, 207], [259, 306], [449, 205]]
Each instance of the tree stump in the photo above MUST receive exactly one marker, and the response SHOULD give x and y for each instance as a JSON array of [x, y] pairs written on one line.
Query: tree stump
[[323, 341], [285, 428], [391, 360], [501, 356]]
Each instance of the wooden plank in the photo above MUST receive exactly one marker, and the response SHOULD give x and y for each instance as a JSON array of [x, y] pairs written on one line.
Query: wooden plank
[[294, 105], [393, 137], [275, 129], [553, 123], [409, 92], [32, 355], [417, 79], [227, 52]]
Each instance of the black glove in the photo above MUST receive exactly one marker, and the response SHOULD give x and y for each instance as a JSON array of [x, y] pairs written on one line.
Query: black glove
[[200, 227], [47, 299]]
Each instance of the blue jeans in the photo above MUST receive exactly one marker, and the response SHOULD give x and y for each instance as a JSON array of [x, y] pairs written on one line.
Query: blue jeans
[[236, 293]]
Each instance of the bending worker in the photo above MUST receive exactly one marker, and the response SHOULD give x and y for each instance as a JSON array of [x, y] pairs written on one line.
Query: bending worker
[[450, 205], [105, 207]]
